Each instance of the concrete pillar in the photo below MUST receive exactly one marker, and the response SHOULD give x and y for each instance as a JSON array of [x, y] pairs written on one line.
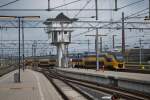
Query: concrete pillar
[[60, 50], [62, 55], [65, 57]]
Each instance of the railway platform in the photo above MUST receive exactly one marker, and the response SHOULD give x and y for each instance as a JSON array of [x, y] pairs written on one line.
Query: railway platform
[[33, 86], [131, 81], [116, 74]]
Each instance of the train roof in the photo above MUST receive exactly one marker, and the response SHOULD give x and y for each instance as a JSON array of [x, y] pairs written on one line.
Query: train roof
[[43, 57]]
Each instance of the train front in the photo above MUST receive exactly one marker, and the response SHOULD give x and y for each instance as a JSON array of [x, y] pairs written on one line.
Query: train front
[[120, 62], [114, 61]]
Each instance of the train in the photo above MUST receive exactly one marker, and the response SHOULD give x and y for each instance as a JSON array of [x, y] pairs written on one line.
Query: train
[[82, 60], [41, 61], [105, 60]]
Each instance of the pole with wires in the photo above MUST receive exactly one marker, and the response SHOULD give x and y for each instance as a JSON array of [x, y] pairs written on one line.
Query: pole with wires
[[48, 5], [123, 34], [96, 37], [113, 41], [88, 45], [149, 8], [19, 63], [23, 67], [116, 8]]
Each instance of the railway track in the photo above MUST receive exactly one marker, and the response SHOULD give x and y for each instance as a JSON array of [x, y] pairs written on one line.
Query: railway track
[[84, 91], [93, 91], [65, 89]]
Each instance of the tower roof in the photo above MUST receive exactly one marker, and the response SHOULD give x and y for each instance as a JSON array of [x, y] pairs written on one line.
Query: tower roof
[[60, 17]]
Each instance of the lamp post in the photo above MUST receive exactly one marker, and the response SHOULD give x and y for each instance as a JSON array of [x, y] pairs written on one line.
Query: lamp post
[[19, 18], [19, 24], [19, 34], [96, 36], [23, 45]]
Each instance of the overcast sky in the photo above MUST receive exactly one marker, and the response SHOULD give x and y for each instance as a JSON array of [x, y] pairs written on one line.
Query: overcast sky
[[132, 36]]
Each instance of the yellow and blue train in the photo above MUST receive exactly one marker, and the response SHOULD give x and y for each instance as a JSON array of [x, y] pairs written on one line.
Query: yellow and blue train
[[83, 60], [41, 61], [106, 60]]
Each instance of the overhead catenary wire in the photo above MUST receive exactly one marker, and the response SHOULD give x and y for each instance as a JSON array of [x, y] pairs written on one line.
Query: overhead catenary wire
[[80, 0], [66, 4], [66, 7], [8, 3], [130, 4], [110, 23], [136, 13], [55, 8], [93, 27], [52, 9], [77, 27], [86, 21], [139, 15], [82, 8]]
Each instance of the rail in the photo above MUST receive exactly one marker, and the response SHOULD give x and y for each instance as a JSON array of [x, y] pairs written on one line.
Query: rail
[[125, 94], [51, 77]]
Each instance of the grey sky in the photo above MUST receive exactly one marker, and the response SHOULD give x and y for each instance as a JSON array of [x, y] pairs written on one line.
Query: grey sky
[[39, 34]]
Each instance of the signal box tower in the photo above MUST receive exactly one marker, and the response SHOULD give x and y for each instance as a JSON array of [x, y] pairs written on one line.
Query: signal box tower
[[59, 32]]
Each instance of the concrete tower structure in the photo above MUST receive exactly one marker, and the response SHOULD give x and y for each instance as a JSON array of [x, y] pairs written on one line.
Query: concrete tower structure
[[59, 31]]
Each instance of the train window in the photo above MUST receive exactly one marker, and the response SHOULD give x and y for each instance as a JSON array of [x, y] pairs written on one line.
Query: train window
[[119, 57], [100, 55], [109, 59], [65, 32]]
